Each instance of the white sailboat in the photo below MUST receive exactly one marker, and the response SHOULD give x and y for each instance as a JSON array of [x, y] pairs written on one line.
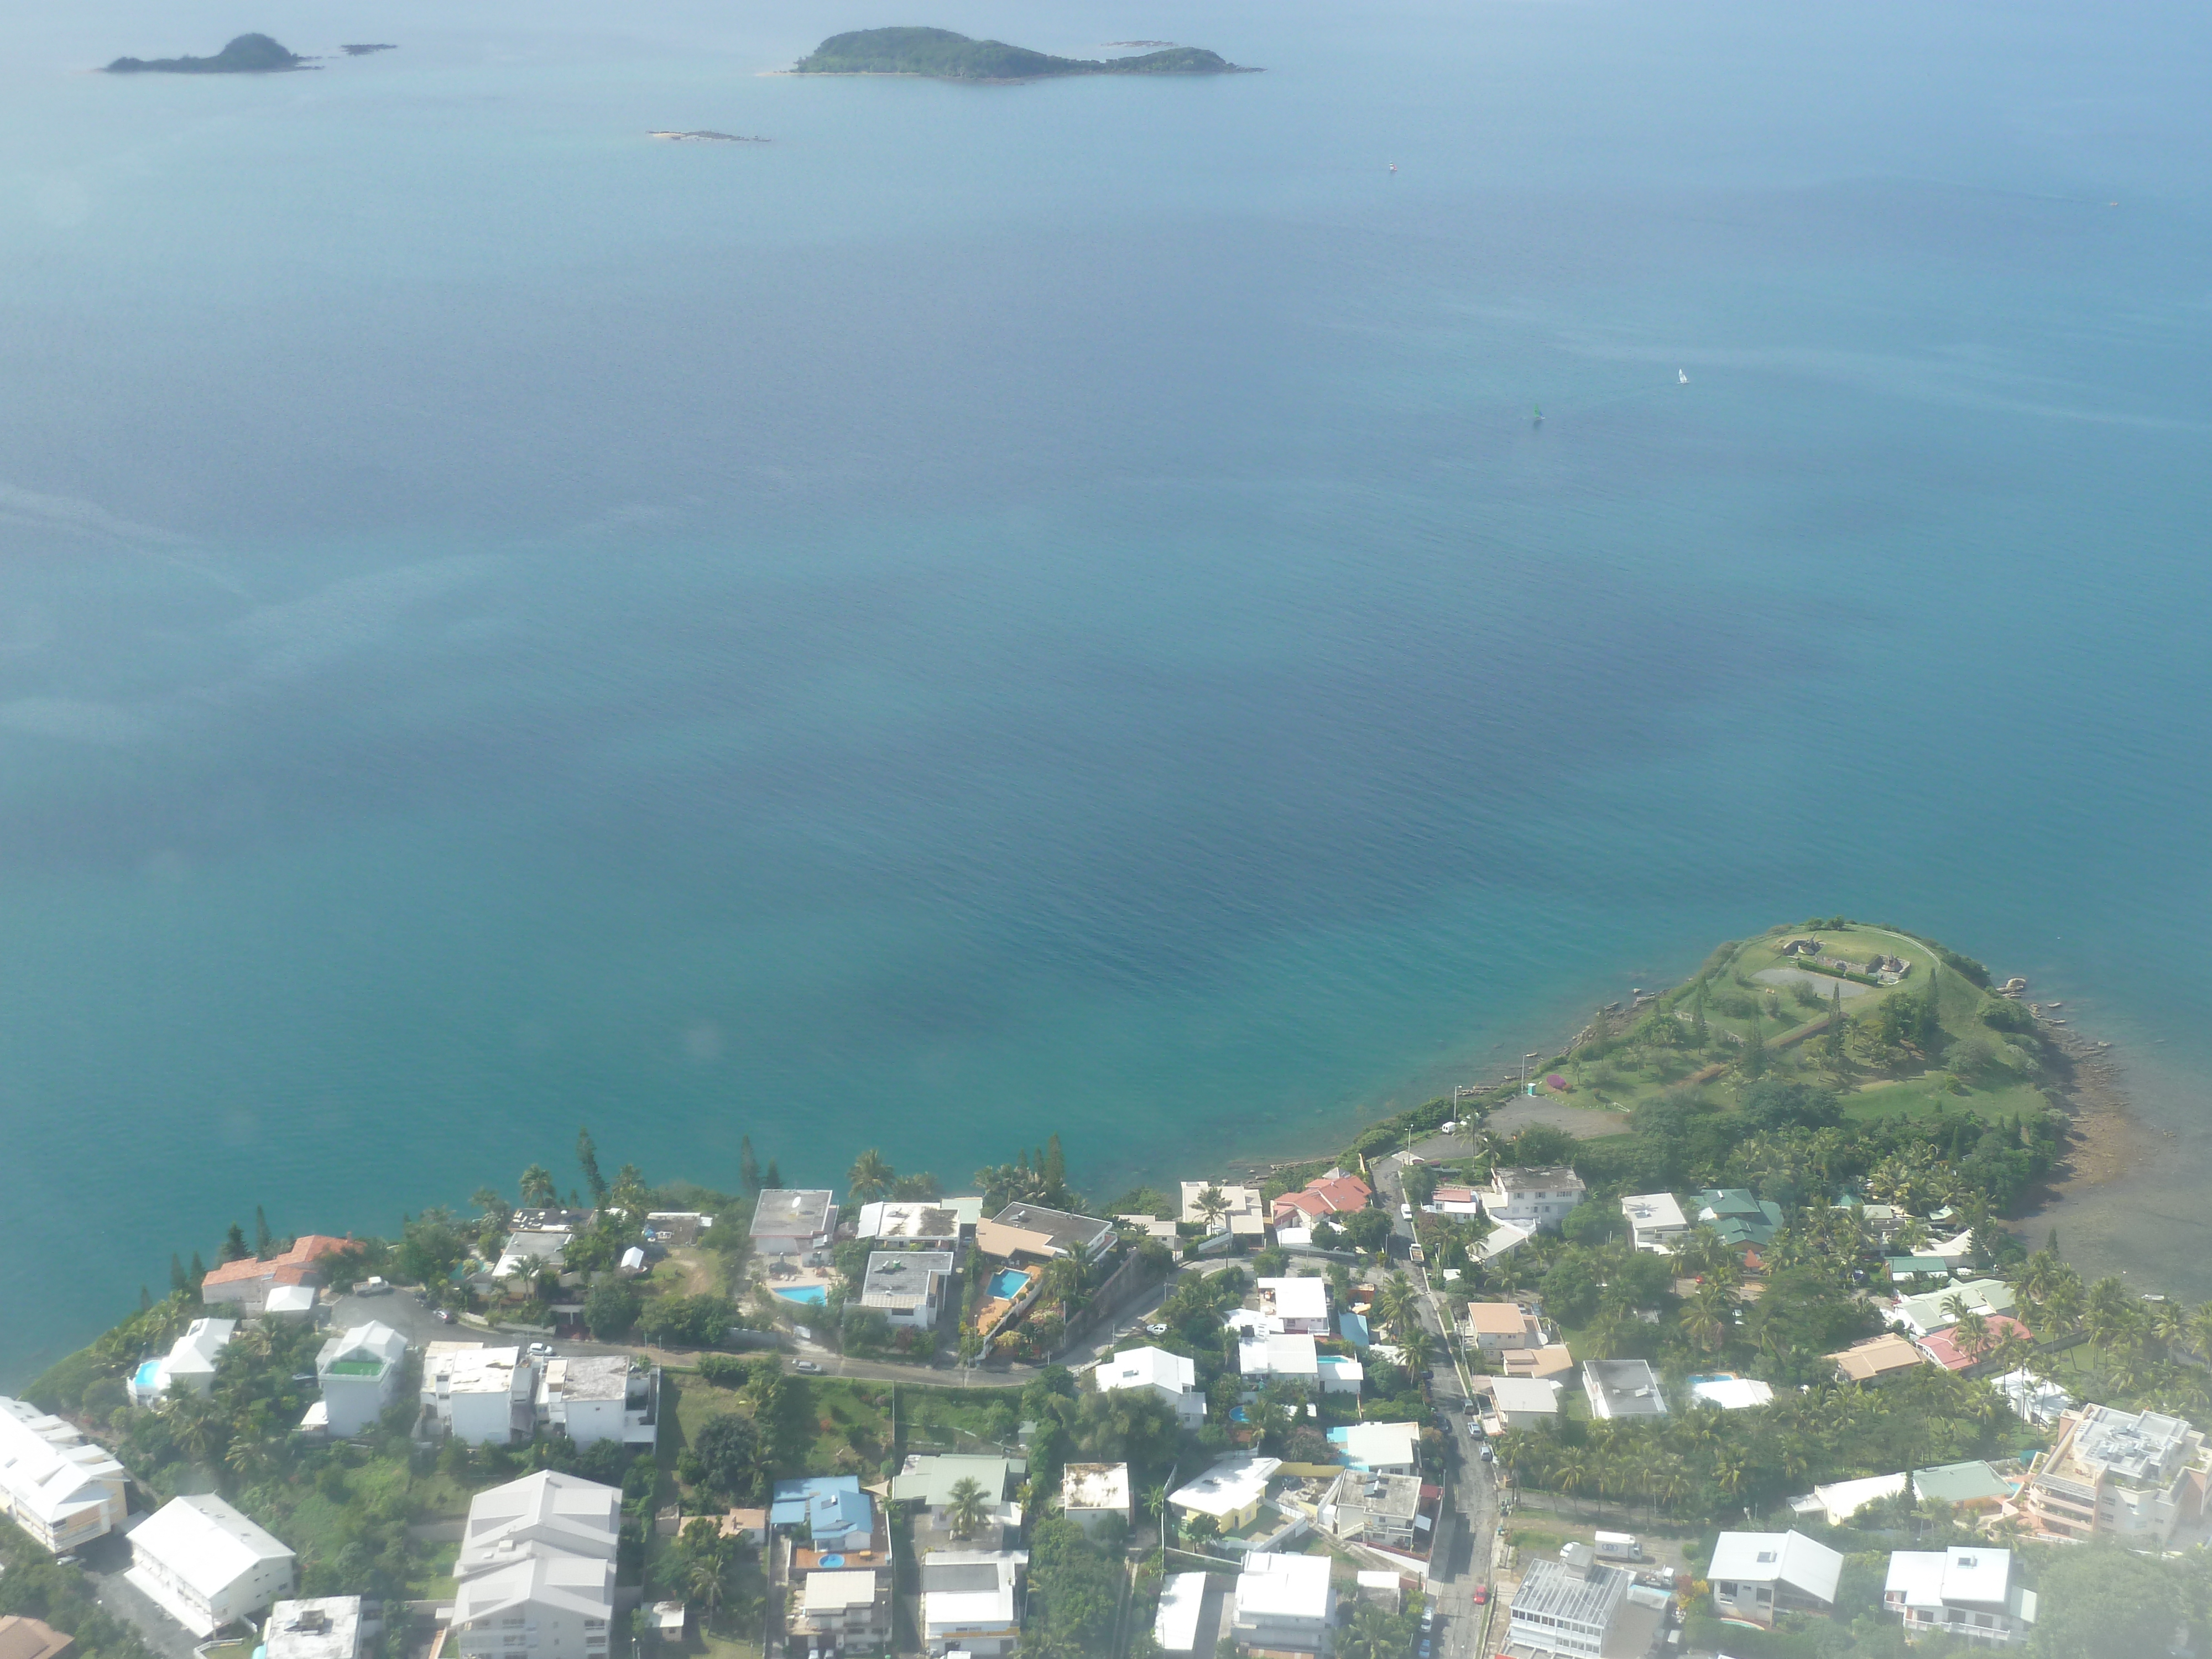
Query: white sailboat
[[1682, 375]]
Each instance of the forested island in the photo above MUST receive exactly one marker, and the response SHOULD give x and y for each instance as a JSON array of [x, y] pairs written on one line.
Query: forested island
[[949, 57], [248, 54]]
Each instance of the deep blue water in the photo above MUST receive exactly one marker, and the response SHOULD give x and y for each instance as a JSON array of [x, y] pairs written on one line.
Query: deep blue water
[[1024, 609]]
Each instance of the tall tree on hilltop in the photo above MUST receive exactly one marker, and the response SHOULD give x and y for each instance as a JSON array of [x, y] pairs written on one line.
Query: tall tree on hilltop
[[265, 1242], [1056, 1169], [198, 1270], [177, 1280], [538, 1192], [749, 1170], [772, 1177], [234, 1245], [587, 1159]]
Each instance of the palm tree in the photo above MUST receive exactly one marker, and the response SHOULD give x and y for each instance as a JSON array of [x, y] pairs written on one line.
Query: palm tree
[[1213, 1204], [871, 1176], [196, 1424], [967, 1510], [707, 1578], [1419, 1346]]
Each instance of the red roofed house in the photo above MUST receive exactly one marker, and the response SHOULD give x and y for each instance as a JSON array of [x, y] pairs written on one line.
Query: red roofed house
[[1324, 1196], [1942, 1345], [246, 1284]]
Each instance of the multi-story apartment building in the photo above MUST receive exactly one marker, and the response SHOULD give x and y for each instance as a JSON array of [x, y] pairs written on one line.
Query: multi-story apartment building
[[54, 1484], [2134, 1475]]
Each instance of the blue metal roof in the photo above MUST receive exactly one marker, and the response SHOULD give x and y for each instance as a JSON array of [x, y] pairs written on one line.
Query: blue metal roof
[[833, 1504]]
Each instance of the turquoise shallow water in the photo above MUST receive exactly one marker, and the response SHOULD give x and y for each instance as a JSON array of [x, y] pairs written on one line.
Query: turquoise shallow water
[[1018, 609]]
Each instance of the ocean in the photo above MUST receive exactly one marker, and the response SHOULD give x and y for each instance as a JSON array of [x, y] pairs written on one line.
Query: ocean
[[1021, 610]]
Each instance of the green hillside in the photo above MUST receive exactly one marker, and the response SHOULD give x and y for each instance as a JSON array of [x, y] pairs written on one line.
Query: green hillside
[[947, 56]]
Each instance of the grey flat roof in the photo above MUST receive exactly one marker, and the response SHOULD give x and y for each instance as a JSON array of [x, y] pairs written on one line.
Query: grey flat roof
[[1061, 1226], [793, 1212], [903, 1275], [1557, 1591]]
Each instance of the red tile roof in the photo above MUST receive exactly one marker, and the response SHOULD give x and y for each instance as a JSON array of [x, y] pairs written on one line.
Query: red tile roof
[[1942, 1345], [295, 1267], [1324, 1197]]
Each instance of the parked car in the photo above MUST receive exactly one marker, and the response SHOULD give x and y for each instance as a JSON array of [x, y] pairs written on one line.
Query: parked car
[[806, 1365], [1428, 1618], [445, 1316], [541, 1350], [1481, 1595], [1157, 1330]]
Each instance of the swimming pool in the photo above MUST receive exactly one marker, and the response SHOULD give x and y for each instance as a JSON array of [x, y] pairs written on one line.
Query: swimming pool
[[813, 1295], [1006, 1284], [150, 1373]]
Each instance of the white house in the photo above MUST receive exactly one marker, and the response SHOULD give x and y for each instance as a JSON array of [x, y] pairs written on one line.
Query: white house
[[360, 1372], [1535, 1199], [1287, 1358], [1577, 1605], [1519, 1402], [1385, 1510], [1965, 1590], [794, 1221], [1230, 1492], [600, 1397], [1756, 1575], [1383, 1448], [189, 1363], [205, 1565], [1284, 1604], [482, 1396], [971, 1600], [1655, 1221], [1837, 1502], [1244, 1215], [2033, 1399], [908, 1288], [843, 1609], [1731, 1394], [545, 1513], [563, 1604], [54, 1484], [1168, 1376], [1182, 1600], [1091, 1492], [1299, 1306], [910, 1226], [1923, 1315], [1623, 1388]]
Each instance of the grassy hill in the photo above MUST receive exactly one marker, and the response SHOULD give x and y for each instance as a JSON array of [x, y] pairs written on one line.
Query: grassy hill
[[951, 56]]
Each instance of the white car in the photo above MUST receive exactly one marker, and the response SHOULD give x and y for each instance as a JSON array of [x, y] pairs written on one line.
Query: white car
[[541, 1350]]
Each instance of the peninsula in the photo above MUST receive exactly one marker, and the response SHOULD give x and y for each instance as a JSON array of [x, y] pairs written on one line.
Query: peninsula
[[1731, 1271], [945, 56], [248, 54]]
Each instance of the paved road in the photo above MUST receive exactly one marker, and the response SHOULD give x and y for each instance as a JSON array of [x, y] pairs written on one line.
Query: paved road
[[1473, 1493]]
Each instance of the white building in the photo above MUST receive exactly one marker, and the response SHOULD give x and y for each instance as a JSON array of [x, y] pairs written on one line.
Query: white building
[[908, 1288], [1091, 1492], [1230, 1492], [1756, 1575], [1182, 1601], [600, 1397], [291, 1302], [205, 1565], [481, 1396], [1655, 1221], [1167, 1376], [360, 1372], [1284, 1604], [1577, 1605], [1623, 1388], [910, 1226], [54, 1484], [794, 1221], [541, 1514], [189, 1363], [1383, 1448], [324, 1627], [843, 1609], [530, 1250], [2135, 1475], [1296, 1306], [561, 1607], [1966, 1590], [1244, 1214], [1518, 1403], [2033, 1399], [1535, 1199], [971, 1600], [1385, 1510], [1837, 1502], [1285, 1357], [1923, 1315], [1731, 1394]]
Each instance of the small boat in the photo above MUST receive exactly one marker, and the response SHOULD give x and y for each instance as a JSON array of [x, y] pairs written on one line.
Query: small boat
[[1394, 166], [1538, 421], [1682, 376]]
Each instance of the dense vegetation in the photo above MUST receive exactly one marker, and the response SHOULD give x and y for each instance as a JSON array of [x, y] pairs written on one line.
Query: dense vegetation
[[248, 54], [947, 56]]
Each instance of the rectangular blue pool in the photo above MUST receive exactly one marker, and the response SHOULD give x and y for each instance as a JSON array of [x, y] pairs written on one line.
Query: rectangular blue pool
[[1006, 1284], [813, 1295]]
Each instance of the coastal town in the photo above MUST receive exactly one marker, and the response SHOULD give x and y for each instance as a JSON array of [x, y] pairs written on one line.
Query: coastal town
[[1714, 1333]]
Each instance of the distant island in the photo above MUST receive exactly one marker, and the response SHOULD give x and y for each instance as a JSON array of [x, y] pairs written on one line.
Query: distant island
[[249, 54], [705, 137], [363, 50], [949, 57]]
